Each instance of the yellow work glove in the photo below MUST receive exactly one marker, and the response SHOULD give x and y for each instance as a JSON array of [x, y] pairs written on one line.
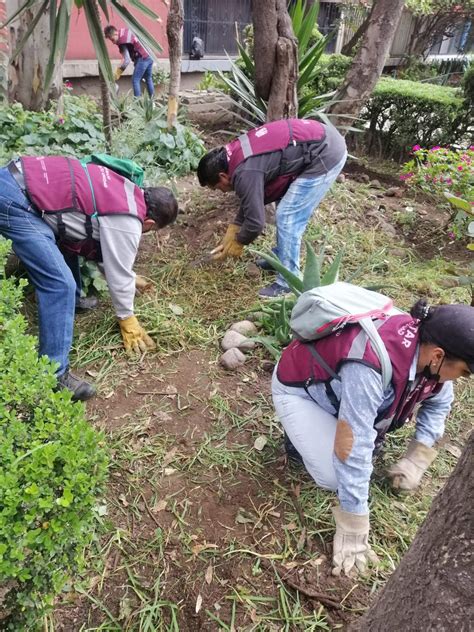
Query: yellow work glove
[[143, 285], [229, 246], [118, 73], [135, 338]]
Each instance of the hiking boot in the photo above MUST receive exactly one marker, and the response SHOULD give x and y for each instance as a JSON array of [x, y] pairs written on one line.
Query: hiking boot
[[291, 451], [273, 291], [80, 389], [86, 303], [264, 265]]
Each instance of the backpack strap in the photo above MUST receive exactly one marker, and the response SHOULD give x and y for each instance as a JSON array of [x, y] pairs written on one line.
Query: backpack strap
[[370, 329]]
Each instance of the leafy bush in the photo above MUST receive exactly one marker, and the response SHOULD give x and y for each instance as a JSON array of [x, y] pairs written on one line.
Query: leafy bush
[[468, 85], [330, 73], [448, 173], [76, 132], [53, 466], [158, 150], [401, 113]]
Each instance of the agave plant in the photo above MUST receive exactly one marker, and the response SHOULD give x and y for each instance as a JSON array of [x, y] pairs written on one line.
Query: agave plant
[[275, 314], [240, 81]]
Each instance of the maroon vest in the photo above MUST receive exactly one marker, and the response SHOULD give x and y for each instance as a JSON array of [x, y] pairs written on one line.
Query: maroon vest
[[127, 38], [55, 184], [274, 136], [297, 367]]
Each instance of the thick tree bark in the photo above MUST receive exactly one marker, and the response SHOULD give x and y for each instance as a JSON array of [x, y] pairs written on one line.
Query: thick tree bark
[[348, 48], [276, 58], [369, 60], [105, 95], [174, 32], [4, 54], [432, 587], [26, 73]]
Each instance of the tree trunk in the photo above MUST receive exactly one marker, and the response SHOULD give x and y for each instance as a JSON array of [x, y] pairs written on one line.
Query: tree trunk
[[348, 48], [174, 32], [4, 54], [26, 73], [432, 587], [104, 93], [370, 58], [276, 58]]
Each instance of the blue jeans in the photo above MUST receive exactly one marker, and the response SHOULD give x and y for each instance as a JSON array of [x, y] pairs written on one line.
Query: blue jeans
[[34, 243], [143, 70], [293, 214]]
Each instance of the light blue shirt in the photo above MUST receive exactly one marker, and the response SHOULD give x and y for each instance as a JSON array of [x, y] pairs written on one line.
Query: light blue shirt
[[361, 398]]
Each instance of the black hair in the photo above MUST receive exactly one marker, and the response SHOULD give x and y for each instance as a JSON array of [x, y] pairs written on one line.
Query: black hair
[[161, 205], [109, 29], [211, 165], [432, 330]]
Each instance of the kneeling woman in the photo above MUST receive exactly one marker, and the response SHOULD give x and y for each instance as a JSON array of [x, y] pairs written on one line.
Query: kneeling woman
[[335, 420]]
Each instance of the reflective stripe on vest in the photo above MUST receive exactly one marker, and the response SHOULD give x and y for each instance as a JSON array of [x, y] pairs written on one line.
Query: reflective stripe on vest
[[272, 137], [400, 336], [56, 184]]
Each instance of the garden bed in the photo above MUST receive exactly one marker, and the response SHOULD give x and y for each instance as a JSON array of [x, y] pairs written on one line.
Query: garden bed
[[201, 530]]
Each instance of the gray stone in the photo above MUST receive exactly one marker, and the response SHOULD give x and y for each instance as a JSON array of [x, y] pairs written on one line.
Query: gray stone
[[341, 178], [375, 184], [245, 327], [234, 340], [232, 359], [253, 271]]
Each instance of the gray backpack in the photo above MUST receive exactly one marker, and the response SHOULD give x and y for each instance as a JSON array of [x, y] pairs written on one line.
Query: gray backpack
[[324, 310]]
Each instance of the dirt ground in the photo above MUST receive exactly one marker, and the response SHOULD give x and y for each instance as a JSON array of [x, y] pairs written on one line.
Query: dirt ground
[[200, 529]]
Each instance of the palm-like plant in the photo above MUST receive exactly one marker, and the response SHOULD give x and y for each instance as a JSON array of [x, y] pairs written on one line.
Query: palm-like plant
[[240, 80], [60, 21]]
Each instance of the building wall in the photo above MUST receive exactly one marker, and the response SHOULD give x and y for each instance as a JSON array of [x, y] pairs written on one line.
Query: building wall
[[80, 45], [4, 52]]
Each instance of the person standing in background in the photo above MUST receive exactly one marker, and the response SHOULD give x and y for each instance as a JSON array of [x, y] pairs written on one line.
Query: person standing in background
[[132, 50]]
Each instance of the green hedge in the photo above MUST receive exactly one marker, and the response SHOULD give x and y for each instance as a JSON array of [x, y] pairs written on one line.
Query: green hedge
[[53, 467], [401, 114], [331, 70]]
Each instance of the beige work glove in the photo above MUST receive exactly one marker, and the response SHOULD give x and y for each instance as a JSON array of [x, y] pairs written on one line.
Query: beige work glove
[[143, 285], [229, 246], [406, 473], [118, 73], [135, 338], [351, 549]]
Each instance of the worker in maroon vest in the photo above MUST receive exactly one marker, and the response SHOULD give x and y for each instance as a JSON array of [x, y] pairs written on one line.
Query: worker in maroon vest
[[132, 50], [292, 162], [50, 204], [336, 412]]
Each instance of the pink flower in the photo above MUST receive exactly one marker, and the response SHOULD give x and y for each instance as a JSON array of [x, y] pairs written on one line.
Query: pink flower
[[459, 167], [61, 120], [435, 148], [451, 235], [448, 181], [406, 176], [416, 148]]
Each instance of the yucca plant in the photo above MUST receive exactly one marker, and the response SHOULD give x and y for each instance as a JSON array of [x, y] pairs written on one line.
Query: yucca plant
[[240, 80], [275, 314]]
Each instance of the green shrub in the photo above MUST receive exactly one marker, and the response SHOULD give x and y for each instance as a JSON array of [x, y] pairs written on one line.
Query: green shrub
[[161, 152], [403, 113], [78, 131], [330, 73], [53, 466], [468, 85]]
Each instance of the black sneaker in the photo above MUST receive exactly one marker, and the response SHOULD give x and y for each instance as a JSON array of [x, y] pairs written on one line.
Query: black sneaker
[[80, 389], [274, 291], [291, 451], [86, 303], [263, 264]]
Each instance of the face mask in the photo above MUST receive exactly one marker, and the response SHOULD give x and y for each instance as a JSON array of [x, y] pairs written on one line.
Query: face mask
[[429, 375]]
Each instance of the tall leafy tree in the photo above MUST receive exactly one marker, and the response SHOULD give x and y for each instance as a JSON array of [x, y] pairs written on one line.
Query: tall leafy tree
[[369, 60]]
